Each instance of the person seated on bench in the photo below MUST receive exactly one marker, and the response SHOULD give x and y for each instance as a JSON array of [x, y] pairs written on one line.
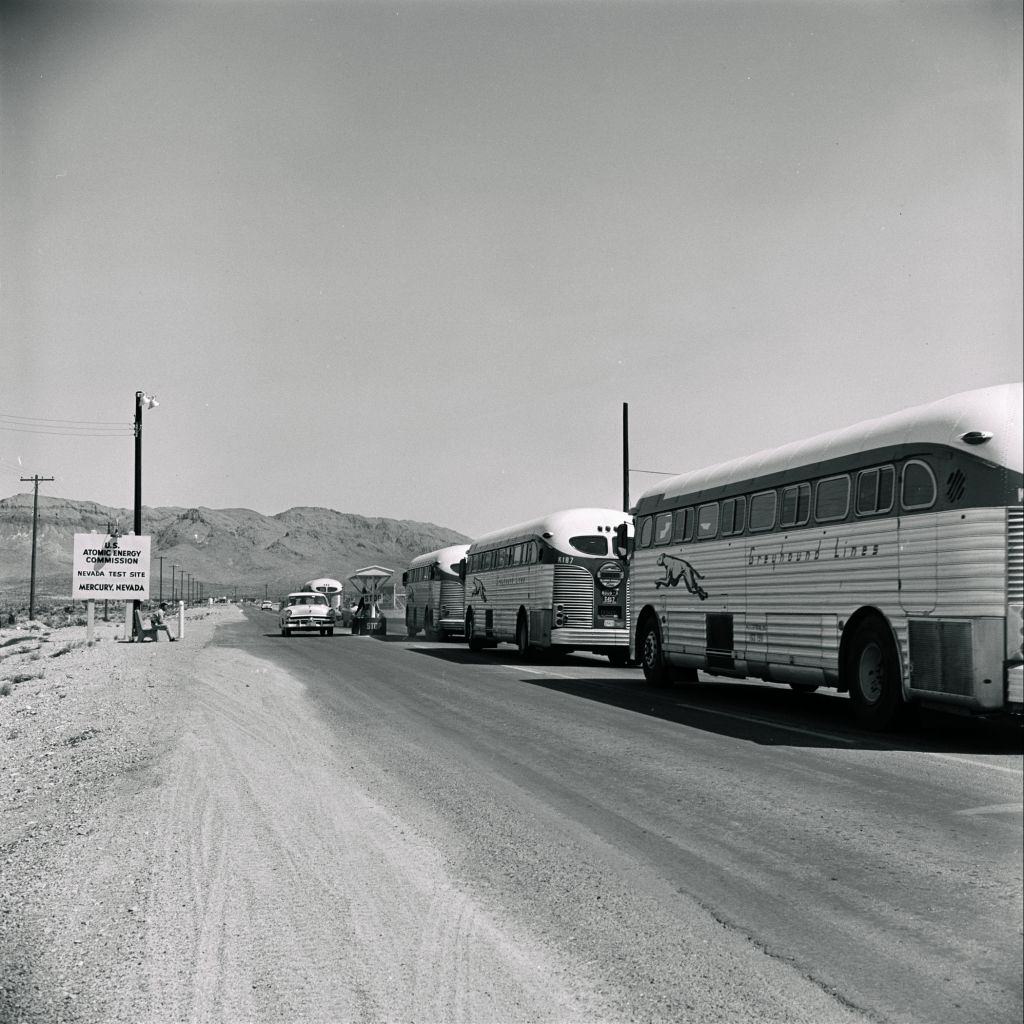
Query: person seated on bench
[[158, 621]]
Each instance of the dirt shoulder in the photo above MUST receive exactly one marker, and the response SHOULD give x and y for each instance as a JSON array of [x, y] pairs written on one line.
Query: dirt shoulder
[[175, 845], [80, 725]]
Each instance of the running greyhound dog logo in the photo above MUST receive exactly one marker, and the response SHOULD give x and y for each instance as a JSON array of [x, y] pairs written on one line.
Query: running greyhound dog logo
[[677, 569], [479, 590]]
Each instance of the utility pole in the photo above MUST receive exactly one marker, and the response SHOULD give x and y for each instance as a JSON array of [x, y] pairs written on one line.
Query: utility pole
[[161, 557], [174, 575], [36, 479], [625, 456]]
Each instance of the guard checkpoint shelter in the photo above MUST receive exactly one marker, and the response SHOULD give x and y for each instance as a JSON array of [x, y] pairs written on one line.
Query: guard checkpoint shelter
[[368, 583]]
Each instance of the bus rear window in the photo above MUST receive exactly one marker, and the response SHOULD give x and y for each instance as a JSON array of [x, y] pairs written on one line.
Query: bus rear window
[[590, 545], [918, 486]]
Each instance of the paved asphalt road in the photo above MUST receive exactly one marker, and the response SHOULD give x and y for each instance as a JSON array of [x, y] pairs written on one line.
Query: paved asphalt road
[[602, 812]]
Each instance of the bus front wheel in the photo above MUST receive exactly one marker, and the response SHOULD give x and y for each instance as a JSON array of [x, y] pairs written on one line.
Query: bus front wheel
[[873, 675], [652, 660]]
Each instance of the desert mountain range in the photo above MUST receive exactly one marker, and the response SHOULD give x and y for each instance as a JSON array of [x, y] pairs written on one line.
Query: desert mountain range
[[231, 550]]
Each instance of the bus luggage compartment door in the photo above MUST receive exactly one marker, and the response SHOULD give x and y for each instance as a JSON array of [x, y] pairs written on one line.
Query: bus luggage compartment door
[[720, 653]]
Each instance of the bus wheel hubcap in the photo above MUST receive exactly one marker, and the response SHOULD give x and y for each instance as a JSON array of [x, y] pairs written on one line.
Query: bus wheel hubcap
[[871, 673], [651, 650]]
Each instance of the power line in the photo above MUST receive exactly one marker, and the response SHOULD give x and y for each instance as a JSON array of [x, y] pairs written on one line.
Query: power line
[[47, 419], [74, 432]]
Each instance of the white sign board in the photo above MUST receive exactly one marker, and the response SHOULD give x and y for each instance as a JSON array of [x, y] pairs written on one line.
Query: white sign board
[[110, 568]]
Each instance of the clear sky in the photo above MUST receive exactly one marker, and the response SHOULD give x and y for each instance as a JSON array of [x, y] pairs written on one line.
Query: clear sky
[[409, 259]]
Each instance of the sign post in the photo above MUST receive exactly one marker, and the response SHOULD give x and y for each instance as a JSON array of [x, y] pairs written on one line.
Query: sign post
[[112, 568]]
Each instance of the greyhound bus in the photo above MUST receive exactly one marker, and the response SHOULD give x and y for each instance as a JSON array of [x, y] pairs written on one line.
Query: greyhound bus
[[885, 559], [556, 583], [434, 596]]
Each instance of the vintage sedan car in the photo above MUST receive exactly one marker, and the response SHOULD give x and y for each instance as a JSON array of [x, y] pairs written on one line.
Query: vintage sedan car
[[266, 606], [306, 611]]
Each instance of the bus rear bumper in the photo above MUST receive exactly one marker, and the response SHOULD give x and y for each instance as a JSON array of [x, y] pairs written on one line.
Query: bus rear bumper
[[586, 639]]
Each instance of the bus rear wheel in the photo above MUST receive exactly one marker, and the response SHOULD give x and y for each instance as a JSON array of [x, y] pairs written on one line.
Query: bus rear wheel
[[651, 657], [873, 675]]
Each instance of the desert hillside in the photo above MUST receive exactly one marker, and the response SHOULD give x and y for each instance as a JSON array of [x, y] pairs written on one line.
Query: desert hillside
[[229, 550]]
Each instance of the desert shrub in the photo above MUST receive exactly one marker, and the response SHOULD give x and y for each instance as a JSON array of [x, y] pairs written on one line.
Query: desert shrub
[[67, 648]]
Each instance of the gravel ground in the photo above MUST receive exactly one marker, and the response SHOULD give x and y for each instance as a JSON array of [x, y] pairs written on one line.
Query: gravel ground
[[175, 846], [79, 726]]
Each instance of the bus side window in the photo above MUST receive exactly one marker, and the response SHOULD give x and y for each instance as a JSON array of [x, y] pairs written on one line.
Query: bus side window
[[918, 486], [646, 532], [796, 505], [683, 531], [762, 511], [734, 512], [728, 514], [707, 521], [663, 528], [832, 499]]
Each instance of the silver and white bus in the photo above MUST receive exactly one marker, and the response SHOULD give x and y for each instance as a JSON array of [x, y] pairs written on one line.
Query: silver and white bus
[[434, 595], [884, 560], [559, 582]]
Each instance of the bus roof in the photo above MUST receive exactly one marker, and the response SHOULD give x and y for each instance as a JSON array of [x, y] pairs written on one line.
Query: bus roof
[[442, 556], [557, 527], [945, 422]]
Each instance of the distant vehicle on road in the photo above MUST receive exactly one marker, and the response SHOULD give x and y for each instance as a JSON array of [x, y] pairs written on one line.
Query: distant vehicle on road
[[307, 612], [435, 598], [266, 606]]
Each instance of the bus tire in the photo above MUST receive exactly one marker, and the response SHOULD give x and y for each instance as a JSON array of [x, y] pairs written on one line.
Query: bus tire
[[475, 642], [872, 672], [650, 654]]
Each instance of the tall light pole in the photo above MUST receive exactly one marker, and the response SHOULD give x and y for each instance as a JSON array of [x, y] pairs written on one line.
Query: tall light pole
[[149, 402], [174, 573]]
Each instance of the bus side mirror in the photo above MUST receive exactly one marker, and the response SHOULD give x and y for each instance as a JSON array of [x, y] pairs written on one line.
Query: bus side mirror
[[623, 546]]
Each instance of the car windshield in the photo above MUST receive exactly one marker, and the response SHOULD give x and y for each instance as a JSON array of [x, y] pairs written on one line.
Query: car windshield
[[307, 599]]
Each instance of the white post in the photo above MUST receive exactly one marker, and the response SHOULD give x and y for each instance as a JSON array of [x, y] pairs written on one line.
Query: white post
[[90, 618], [129, 626], [181, 619]]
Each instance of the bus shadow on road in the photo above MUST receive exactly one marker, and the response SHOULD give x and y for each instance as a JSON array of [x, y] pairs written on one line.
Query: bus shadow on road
[[773, 716], [763, 713]]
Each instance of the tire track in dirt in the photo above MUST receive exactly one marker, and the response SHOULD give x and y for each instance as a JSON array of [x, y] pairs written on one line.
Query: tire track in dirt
[[284, 890]]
